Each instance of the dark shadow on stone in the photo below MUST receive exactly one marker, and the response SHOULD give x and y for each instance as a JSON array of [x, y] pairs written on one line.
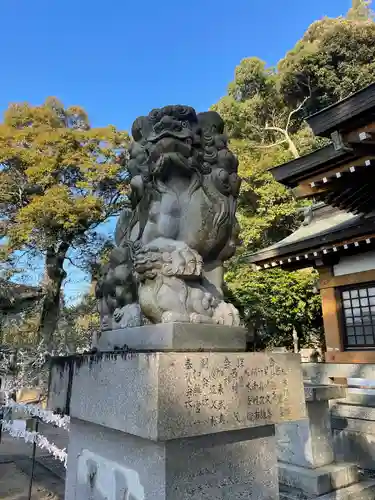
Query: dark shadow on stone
[[43, 477]]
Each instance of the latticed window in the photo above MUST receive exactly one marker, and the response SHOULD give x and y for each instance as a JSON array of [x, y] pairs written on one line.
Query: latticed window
[[358, 306]]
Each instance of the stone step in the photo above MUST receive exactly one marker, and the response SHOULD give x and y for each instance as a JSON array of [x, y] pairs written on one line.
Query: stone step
[[355, 398], [353, 425], [315, 482], [352, 411], [359, 491], [355, 447], [53, 465], [288, 493]]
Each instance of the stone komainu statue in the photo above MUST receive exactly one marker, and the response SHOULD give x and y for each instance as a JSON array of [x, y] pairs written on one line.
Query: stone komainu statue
[[171, 243]]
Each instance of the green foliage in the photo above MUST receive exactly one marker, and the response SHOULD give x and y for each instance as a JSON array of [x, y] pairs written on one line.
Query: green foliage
[[335, 58], [360, 11], [252, 100], [60, 179], [266, 209], [275, 302], [264, 110], [21, 329], [79, 323]]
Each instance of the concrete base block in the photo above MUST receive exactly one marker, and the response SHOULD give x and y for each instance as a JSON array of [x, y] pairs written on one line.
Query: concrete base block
[[353, 425], [162, 395], [175, 337], [358, 447], [352, 411], [357, 398], [308, 443], [358, 491], [315, 393], [175, 425], [315, 482], [107, 464]]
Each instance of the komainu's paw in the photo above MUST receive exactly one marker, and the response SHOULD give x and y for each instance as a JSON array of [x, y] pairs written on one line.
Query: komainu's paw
[[201, 318], [182, 262], [118, 314], [173, 317], [171, 259], [227, 314]]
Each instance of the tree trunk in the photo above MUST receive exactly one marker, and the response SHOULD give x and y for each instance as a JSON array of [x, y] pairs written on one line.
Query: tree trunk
[[292, 147], [53, 280], [2, 321]]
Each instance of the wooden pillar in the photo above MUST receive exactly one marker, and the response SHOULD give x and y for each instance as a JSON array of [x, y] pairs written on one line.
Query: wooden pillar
[[331, 311]]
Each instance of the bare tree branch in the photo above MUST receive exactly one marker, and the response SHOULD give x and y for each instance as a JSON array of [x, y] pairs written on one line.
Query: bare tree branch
[[283, 131], [72, 262], [269, 146], [292, 147], [292, 113]]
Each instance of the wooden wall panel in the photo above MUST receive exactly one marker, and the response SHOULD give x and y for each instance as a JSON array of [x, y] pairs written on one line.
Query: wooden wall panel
[[331, 305], [360, 357], [331, 319], [327, 281]]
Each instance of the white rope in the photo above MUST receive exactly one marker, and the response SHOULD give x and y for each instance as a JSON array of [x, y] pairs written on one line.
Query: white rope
[[46, 416], [31, 437]]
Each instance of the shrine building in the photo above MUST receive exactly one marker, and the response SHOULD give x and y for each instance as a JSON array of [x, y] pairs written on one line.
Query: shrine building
[[337, 236]]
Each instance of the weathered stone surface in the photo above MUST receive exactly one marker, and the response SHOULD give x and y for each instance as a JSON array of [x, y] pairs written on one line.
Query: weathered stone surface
[[175, 337], [304, 443], [164, 396], [353, 424], [104, 464], [358, 399], [322, 373], [357, 447], [60, 381], [354, 433], [181, 226], [287, 493], [310, 355], [360, 491], [115, 461], [308, 448], [324, 392], [308, 443], [315, 482], [352, 411]]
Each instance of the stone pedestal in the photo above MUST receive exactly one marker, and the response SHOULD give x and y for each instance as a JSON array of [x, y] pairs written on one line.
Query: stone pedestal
[[225, 465], [309, 443], [174, 337], [153, 425], [306, 459]]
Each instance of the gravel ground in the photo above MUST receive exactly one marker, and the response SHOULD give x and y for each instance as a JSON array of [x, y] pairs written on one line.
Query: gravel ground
[[15, 468], [14, 482]]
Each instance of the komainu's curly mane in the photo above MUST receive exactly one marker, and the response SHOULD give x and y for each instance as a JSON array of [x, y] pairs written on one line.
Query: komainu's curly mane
[[181, 223]]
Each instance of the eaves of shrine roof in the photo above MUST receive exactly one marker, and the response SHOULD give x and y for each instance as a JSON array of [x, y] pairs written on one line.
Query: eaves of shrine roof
[[354, 111], [326, 228], [293, 172]]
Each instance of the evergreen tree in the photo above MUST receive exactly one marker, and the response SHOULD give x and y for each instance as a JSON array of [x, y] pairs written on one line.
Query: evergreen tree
[[59, 180], [360, 11], [264, 110]]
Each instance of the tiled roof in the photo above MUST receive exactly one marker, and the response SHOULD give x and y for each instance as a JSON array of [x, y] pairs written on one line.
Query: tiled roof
[[325, 227]]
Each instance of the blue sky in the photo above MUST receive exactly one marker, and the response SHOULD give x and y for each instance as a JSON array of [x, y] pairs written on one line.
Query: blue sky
[[121, 58]]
